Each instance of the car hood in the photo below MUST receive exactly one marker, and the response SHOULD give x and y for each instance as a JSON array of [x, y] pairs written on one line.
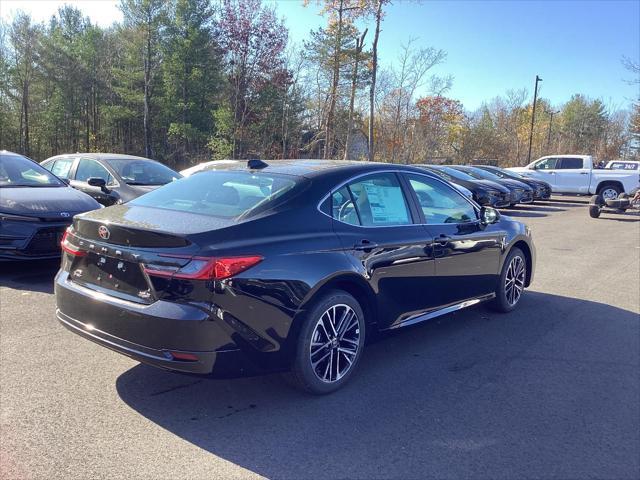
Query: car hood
[[491, 185], [514, 184], [45, 202]]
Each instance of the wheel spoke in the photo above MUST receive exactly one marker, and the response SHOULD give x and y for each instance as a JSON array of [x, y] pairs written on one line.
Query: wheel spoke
[[335, 343]]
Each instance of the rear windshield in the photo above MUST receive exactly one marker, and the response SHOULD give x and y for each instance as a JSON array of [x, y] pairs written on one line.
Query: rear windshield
[[19, 171], [143, 171], [219, 193]]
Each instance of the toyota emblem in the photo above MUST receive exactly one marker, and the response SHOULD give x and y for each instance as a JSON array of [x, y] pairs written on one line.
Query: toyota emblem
[[65, 214], [104, 232]]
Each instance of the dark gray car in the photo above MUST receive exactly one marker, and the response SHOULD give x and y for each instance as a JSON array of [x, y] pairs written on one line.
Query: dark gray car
[[111, 178], [35, 209]]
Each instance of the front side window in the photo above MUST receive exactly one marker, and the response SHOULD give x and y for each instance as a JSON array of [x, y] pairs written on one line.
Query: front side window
[[439, 203], [377, 201], [88, 168], [570, 163], [546, 164]]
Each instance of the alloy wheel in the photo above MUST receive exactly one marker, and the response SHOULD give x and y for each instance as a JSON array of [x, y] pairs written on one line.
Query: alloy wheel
[[514, 280], [609, 194], [335, 343]]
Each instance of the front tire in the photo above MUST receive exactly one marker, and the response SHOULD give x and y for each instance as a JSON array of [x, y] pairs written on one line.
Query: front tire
[[329, 345], [511, 282]]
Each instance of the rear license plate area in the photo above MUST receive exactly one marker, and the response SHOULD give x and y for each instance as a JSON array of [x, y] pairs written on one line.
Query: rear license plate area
[[113, 274]]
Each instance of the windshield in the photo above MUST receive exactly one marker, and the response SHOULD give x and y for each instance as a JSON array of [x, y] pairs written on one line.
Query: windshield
[[219, 193], [19, 171], [143, 171], [457, 174]]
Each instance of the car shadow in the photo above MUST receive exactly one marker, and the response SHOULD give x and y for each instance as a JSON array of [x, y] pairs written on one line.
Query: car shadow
[[621, 217], [425, 401], [33, 275], [522, 213]]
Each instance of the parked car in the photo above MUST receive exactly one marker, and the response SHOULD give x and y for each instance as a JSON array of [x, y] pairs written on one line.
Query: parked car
[[284, 266], [483, 192], [623, 165], [541, 190], [520, 192], [576, 174], [111, 178], [35, 209], [207, 166]]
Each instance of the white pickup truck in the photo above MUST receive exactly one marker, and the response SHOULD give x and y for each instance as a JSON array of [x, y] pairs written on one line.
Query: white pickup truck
[[575, 174]]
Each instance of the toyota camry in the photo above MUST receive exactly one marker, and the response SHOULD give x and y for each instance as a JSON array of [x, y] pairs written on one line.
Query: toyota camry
[[287, 266]]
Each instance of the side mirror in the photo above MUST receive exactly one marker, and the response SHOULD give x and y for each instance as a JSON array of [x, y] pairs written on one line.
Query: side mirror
[[66, 181], [99, 182], [489, 215]]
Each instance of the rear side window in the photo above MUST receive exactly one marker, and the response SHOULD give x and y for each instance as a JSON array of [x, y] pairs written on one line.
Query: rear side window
[[61, 167], [219, 193], [569, 163], [374, 201]]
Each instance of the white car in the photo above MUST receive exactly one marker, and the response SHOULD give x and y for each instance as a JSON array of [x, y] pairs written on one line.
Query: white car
[[201, 166], [623, 165], [575, 174]]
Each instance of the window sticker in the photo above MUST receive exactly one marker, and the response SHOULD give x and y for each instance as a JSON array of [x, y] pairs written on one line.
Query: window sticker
[[387, 204]]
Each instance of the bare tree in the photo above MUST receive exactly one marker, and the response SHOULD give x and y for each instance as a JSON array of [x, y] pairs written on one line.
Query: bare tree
[[354, 85]]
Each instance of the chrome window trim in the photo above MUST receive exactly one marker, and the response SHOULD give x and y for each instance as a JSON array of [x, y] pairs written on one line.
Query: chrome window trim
[[474, 205]]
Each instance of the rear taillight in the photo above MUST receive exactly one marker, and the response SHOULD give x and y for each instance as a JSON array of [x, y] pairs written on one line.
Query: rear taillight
[[205, 268], [68, 247]]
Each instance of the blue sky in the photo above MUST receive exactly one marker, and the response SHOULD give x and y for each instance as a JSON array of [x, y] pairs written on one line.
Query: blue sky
[[492, 46]]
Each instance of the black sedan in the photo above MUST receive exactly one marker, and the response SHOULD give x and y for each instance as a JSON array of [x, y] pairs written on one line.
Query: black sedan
[[284, 267], [35, 209], [484, 192], [111, 178], [541, 190], [520, 192]]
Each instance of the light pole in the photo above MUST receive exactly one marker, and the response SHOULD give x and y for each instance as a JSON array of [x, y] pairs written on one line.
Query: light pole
[[551, 114], [533, 117]]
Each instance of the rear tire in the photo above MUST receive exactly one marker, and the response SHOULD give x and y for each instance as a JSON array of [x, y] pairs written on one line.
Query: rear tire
[[609, 191], [329, 345], [594, 211], [511, 282]]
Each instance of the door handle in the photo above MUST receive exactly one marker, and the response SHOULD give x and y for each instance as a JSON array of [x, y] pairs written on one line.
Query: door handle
[[584, 173], [365, 245], [442, 239]]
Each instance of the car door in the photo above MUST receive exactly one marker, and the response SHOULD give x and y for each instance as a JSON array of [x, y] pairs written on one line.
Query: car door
[[380, 231], [545, 170], [571, 175], [466, 252], [89, 168]]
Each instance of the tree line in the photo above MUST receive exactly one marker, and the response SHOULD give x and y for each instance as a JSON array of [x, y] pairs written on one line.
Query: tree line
[[184, 81]]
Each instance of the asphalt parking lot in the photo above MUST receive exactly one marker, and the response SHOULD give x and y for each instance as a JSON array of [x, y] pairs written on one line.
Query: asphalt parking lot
[[549, 391]]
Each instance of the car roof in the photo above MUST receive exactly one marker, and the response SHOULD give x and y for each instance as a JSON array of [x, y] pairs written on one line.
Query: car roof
[[102, 156], [313, 168]]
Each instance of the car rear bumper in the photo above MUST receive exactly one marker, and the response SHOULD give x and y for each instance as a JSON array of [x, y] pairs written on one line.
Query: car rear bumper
[[160, 334]]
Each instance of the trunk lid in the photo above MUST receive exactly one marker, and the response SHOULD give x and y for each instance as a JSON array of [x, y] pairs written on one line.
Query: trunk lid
[[119, 245]]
